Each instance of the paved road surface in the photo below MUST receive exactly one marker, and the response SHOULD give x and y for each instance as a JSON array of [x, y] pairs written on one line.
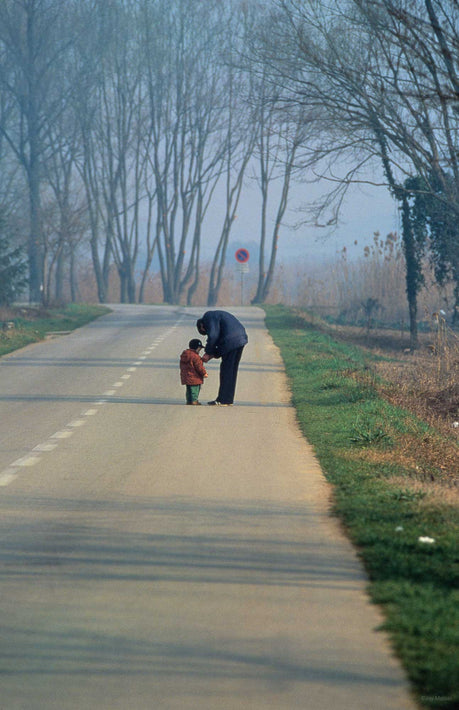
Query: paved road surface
[[158, 556]]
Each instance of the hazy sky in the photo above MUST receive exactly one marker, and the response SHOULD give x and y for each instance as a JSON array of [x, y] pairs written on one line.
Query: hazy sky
[[367, 209]]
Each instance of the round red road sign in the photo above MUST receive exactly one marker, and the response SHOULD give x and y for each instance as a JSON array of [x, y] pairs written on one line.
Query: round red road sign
[[242, 255]]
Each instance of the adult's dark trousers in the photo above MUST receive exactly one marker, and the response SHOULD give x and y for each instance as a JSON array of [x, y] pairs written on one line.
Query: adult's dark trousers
[[228, 375]]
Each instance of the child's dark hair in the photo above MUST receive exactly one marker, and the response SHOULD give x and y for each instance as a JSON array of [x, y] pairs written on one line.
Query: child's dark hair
[[195, 344]]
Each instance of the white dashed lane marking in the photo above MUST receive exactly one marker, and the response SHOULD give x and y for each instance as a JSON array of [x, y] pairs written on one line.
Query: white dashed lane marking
[[63, 434], [26, 461], [44, 448], [10, 474], [7, 478]]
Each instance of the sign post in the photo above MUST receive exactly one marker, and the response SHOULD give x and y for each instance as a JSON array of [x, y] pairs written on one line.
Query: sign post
[[242, 258]]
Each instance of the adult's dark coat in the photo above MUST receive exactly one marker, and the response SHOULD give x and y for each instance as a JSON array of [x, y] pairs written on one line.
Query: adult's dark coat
[[224, 333]]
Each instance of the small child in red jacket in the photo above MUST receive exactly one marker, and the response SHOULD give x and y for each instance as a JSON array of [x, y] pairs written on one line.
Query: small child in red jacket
[[192, 371]]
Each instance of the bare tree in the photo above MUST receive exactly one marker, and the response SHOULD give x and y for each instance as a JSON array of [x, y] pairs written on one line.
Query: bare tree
[[240, 147], [240, 133], [418, 44], [151, 231], [33, 41], [377, 72], [100, 240], [108, 106], [64, 206], [120, 133], [277, 142], [186, 107]]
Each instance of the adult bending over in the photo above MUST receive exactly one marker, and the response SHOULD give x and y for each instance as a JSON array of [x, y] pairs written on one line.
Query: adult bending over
[[226, 338]]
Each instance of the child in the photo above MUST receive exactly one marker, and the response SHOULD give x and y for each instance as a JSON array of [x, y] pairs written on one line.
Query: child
[[192, 371]]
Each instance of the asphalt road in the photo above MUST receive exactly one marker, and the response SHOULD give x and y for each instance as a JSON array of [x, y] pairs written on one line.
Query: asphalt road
[[158, 556]]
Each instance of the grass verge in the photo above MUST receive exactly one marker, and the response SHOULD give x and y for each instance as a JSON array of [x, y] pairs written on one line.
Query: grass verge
[[32, 325], [405, 536]]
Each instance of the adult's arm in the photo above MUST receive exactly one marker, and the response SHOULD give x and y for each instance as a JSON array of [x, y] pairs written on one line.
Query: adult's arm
[[212, 326]]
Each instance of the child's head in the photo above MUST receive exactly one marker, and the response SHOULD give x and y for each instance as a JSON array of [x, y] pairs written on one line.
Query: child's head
[[195, 344]]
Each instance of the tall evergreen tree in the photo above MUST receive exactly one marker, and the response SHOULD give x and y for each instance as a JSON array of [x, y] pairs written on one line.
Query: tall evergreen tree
[[13, 269]]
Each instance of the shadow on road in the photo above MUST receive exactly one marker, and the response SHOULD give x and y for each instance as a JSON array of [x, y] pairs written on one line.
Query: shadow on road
[[109, 399], [153, 364], [57, 545]]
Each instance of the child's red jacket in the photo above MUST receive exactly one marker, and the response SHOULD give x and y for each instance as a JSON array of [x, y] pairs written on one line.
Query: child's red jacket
[[192, 370]]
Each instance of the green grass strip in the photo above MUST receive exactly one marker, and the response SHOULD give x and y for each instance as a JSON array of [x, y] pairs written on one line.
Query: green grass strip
[[63, 319], [347, 423]]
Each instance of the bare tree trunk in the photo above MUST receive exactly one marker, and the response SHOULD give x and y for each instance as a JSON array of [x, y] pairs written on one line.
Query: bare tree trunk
[[59, 277], [35, 241], [412, 272], [73, 278], [151, 246]]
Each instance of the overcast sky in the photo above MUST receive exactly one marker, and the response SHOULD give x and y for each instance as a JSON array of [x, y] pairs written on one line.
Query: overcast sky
[[367, 209]]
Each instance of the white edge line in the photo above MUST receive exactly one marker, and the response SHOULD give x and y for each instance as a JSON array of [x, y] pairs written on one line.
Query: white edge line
[[7, 477], [25, 461]]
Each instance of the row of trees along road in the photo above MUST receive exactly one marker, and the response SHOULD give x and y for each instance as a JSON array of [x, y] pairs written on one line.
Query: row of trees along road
[[383, 77], [121, 121]]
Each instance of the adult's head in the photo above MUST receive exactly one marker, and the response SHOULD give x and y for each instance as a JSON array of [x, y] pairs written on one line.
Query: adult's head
[[201, 327]]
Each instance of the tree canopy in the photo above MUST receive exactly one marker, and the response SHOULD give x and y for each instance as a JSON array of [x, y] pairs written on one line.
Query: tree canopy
[[121, 121]]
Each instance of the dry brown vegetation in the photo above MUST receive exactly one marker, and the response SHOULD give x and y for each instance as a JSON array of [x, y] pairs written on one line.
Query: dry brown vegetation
[[426, 383]]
